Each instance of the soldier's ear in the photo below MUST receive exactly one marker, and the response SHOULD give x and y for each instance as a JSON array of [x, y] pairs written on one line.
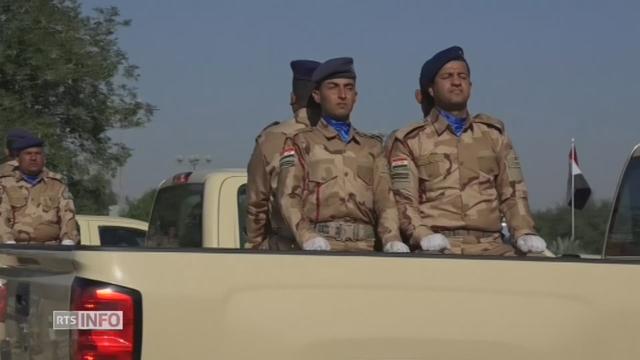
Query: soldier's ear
[[316, 95], [419, 96]]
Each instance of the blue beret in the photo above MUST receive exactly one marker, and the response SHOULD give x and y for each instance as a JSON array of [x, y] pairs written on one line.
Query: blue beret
[[432, 66], [19, 139], [303, 69], [333, 69]]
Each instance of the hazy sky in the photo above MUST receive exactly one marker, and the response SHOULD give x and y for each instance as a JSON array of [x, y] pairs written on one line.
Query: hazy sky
[[218, 71]]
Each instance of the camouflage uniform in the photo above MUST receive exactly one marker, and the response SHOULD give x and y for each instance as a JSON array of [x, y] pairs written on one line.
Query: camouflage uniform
[[459, 187], [43, 213], [265, 227], [336, 190], [8, 167]]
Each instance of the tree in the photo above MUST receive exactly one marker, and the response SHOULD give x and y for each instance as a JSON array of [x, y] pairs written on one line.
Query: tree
[[554, 225], [64, 77], [140, 208]]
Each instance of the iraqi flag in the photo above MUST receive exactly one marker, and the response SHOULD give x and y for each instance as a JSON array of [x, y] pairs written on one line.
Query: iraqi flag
[[581, 190]]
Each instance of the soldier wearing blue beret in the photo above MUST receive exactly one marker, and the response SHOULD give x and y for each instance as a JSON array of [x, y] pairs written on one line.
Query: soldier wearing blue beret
[[455, 175], [264, 225], [35, 204], [334, 188]]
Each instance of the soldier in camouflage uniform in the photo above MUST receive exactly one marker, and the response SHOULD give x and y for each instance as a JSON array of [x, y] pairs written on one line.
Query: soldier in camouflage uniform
[[334, 188], [265, 227], [36, 206], [455, 175]]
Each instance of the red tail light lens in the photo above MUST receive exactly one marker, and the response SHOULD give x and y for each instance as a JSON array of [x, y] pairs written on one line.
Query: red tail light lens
[[3, 299], [89, 295], [182, 178]]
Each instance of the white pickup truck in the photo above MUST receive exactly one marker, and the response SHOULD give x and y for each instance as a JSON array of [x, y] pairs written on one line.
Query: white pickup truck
[[196, 294]]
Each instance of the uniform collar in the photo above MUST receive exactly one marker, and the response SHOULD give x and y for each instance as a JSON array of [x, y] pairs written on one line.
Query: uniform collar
[[44, 176], [330, 133], [440, 124]]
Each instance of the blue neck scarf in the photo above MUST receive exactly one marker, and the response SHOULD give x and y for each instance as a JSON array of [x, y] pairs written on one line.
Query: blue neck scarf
[[343, 128], [33, 180], [457, 124]]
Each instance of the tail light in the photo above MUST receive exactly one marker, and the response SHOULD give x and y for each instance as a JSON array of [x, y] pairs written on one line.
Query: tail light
[[125, 344], [3, 299]]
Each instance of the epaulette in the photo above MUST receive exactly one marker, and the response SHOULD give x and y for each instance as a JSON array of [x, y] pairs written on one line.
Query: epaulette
[[405, 131], [489, 121], [52, 175], [270, 125], [375, 136], [301, 131]]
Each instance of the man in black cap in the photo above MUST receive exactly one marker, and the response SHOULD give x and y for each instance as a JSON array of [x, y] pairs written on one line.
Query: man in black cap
[[35, 204], [454, 176], [334, 188], [265, 229], [11, 164]]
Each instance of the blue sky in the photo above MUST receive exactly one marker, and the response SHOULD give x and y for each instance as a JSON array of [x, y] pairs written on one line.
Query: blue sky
[[218, 71]]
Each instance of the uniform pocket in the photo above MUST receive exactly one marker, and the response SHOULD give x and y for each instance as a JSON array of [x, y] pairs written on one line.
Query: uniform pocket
[[488, 164], [17, 197], [322, 170], [50, 203], [431, 166], [365, 173]]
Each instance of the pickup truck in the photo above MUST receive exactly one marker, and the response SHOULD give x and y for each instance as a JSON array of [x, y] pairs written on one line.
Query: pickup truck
[[220, 301]]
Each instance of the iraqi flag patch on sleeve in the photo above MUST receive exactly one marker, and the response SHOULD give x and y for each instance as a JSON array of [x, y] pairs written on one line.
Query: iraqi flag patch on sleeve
[[288, 157], [399, 169]]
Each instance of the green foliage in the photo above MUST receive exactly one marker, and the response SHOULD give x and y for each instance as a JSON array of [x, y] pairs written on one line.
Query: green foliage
[[554, 225], [64, 77], [140, 208]]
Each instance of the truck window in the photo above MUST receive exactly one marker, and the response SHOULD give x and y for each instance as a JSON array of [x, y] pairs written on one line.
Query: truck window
[[624, 230], [176, 218], [121, 236], [242, 214]]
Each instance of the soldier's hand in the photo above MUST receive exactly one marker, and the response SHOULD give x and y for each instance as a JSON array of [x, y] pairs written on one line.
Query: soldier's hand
[[434, 242], [531, 244], [67, 242], [396, 247], [317, 243]]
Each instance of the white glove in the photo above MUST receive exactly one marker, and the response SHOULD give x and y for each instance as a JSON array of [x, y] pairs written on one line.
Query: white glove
[[396, 247], [9, 242], [317, 243], [67, 242], [434, 242], [531, 244]]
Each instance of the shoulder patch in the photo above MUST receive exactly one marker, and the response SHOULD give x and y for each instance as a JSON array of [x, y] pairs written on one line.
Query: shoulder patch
[[405, 131], [489, 121]]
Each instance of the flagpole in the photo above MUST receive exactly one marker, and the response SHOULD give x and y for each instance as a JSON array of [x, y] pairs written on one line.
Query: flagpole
[[573, 191]]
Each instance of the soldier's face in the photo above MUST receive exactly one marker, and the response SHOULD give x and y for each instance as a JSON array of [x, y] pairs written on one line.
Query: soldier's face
[[451, 87], [31, 161], [336, 98]]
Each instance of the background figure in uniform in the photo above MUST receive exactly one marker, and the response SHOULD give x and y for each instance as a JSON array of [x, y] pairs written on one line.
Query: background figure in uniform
[[11, 164], [334, 188], [454, 175], [36, 206], [265, 227]]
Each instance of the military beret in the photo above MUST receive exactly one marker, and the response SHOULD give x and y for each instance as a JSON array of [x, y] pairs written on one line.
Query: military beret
[[338, 68], [20, 139], [431, 67], [303, 69]]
